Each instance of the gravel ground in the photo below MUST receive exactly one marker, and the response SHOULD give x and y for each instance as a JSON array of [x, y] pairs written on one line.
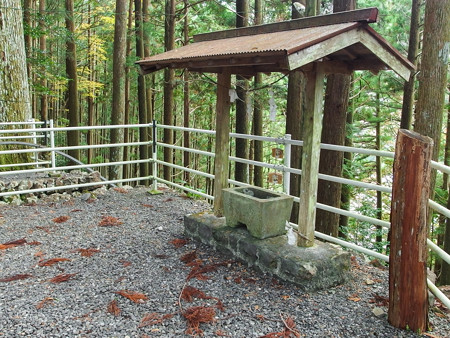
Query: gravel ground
[[136, 254]]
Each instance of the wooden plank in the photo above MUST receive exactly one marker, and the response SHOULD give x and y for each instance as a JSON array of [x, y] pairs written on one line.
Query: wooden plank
[[408, 297], [393, 60], [320, 50], [222, 140], [310, 156], [361, 15]]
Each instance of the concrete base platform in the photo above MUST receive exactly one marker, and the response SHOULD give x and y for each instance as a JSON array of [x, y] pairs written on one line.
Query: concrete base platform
[[318, 267]]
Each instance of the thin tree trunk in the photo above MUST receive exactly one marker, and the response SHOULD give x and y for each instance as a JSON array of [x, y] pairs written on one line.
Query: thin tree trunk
[[413, 50], [118, 89], [433, 76], [143, 135], [73, 136], [186, 106], [258, 112], [126, 136], [241, 169], [43, 48], [379, 237], [169, 79], [444, 278]]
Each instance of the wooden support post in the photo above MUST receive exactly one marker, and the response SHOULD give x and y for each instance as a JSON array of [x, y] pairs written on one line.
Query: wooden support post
[[408, 296], [222, 140], [310, 156]]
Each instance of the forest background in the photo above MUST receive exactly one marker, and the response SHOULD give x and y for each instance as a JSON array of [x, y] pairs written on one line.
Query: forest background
[[73, 49]]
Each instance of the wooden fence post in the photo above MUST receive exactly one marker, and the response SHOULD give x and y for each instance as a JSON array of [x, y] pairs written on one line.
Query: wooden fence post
[[408, 296]]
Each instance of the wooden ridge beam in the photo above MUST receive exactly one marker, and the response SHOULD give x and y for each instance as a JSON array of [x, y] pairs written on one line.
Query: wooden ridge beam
[[367, 15]]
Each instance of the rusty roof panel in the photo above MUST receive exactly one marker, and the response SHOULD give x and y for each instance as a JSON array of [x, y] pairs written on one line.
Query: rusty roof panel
[[284, 42]]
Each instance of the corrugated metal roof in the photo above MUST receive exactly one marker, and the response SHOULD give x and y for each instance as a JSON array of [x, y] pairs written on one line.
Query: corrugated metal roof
[[285, 42], [354, 44]]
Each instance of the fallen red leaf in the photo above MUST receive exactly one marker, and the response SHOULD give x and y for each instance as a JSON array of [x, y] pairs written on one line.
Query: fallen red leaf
[[16, 277], [12, 244], [147, 205], [64, 277], [87, 252], [109, 221], [178, 242], [52, 261], [125, 263], [44, 302], [61, 219], [196, 315], [113, 308], [34, 243], [133, 296], [189, 257], [153, 319], [189, 293], [121, 190]]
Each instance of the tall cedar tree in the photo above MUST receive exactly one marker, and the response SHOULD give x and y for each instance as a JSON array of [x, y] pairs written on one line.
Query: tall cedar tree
[[73, 136], [413, 51], [258, 112], [143, 136], [43, 110], [333, 132], [242, 120], [432, 85], [118, 86], [186, 103], [14, 91], [169, 80]]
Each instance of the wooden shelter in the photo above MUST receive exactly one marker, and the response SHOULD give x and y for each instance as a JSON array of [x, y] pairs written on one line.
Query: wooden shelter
[[320, 45]]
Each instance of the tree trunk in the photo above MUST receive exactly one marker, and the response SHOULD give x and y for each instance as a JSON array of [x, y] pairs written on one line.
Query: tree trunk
[[186, 107], [258, 112], [333, 132], [241, 169], [433, 76], [413, 50], [444, 278], [43, 111], [118, 85], [14, 90], [143, 136], [379, 236], [169, 79], [73, 136]]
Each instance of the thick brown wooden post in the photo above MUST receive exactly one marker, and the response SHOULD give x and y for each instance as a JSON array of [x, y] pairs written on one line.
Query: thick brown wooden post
[[408, 297], [310, 156], [222, 140]]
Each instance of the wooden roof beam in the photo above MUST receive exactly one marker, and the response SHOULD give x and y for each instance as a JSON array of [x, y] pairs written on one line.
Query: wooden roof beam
[[367, 15]]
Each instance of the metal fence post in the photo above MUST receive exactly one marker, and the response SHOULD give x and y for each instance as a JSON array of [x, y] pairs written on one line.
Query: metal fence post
[[35, 156], [154, 164], [52, 144], [287, 163]]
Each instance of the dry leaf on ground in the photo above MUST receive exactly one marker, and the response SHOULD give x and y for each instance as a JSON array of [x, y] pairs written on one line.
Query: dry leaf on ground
[[16, 277], [61, 219], [153, 319], [136, 297], [44, 302], [113, 308], [12, 244], [64, 277], [189, 257], [178, 242], [87, 252], [109, 221], [196, 315], [52, 261]]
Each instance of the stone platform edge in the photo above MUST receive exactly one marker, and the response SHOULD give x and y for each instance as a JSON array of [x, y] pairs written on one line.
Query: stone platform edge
[[319, 267]]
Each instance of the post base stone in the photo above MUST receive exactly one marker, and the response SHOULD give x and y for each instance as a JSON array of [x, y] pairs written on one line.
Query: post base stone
[[318, 267]]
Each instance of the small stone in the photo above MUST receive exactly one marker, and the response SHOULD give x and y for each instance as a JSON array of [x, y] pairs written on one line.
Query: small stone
[[159, 228], [369, 281], [377, 311]]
